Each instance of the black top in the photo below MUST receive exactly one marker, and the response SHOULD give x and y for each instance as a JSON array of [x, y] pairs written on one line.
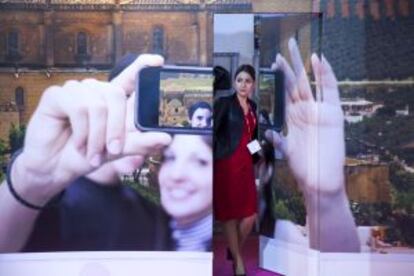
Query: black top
[[228, 125], [92, 217]]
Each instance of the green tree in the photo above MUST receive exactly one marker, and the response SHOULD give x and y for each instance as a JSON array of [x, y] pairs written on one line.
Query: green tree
[[16, 137], [3, 164]]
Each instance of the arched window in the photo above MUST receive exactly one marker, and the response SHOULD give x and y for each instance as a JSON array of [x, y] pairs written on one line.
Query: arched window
[[13, 45], [297, 36], [82, 43], [158, 40], [19, 97]]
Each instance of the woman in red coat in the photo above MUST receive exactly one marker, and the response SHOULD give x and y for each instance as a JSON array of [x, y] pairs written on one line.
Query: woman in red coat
[[235, 200]]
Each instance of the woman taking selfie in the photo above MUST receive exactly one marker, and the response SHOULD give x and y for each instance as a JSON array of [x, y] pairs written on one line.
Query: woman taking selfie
[[235, 126], [68, 201]]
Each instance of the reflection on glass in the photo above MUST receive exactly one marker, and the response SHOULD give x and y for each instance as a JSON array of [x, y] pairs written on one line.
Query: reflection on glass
[[267, 98]]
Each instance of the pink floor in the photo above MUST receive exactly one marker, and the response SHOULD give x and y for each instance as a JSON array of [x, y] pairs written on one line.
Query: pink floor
[[222, 267]]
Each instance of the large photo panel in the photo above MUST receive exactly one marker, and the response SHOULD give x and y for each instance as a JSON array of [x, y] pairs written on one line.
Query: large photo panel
[[366, 160]]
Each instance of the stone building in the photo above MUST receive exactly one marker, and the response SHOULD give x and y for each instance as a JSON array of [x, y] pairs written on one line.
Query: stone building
[[362, 39], [46, 42], [369, 39]]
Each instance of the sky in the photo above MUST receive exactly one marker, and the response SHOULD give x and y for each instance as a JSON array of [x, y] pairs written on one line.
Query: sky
[[232, 23]]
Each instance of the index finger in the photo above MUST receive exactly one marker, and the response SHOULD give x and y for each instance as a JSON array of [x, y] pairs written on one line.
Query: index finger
[[305, 91], [126, 79], [329, 83]]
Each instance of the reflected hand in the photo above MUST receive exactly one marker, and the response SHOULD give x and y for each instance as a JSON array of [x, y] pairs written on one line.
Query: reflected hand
[[314, 145]]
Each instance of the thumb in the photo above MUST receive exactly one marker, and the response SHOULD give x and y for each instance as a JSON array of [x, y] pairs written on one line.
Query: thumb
[[126, 80]]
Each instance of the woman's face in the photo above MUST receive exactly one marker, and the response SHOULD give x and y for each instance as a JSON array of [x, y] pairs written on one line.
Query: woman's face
[[186, 178], [244, 84]]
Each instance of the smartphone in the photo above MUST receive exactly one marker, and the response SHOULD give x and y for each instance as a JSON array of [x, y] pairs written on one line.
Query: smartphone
[[175, 99], [272, 99]]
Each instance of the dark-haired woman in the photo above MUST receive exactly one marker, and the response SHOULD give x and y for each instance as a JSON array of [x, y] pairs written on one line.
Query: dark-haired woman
[[235, 201]]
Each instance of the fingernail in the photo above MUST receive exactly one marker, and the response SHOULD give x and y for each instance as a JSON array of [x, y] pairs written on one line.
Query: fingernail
[[278, 58], [114, 147], [291, 42], [278, 62], [96, 160]]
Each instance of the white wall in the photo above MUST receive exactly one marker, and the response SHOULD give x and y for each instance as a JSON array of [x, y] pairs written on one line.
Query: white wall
[[235, 33]]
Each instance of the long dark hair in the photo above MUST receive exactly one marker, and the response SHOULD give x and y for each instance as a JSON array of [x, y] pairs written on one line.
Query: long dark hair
[[222, 78], [197, 105]]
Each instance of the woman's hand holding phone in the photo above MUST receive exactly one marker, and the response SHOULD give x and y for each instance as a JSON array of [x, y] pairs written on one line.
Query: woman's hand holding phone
[[78, 127]]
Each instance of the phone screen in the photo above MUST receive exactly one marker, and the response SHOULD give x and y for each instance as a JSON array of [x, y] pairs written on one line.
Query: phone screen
[[175, 99], [272, 102]]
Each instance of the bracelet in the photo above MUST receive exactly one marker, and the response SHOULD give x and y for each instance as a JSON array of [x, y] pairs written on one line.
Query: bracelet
[[10, 185]]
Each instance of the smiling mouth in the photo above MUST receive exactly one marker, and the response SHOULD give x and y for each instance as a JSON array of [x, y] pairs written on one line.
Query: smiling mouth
[[179, 193]]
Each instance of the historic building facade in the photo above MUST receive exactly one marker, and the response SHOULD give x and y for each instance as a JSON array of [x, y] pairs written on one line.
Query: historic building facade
[[46, 42]]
